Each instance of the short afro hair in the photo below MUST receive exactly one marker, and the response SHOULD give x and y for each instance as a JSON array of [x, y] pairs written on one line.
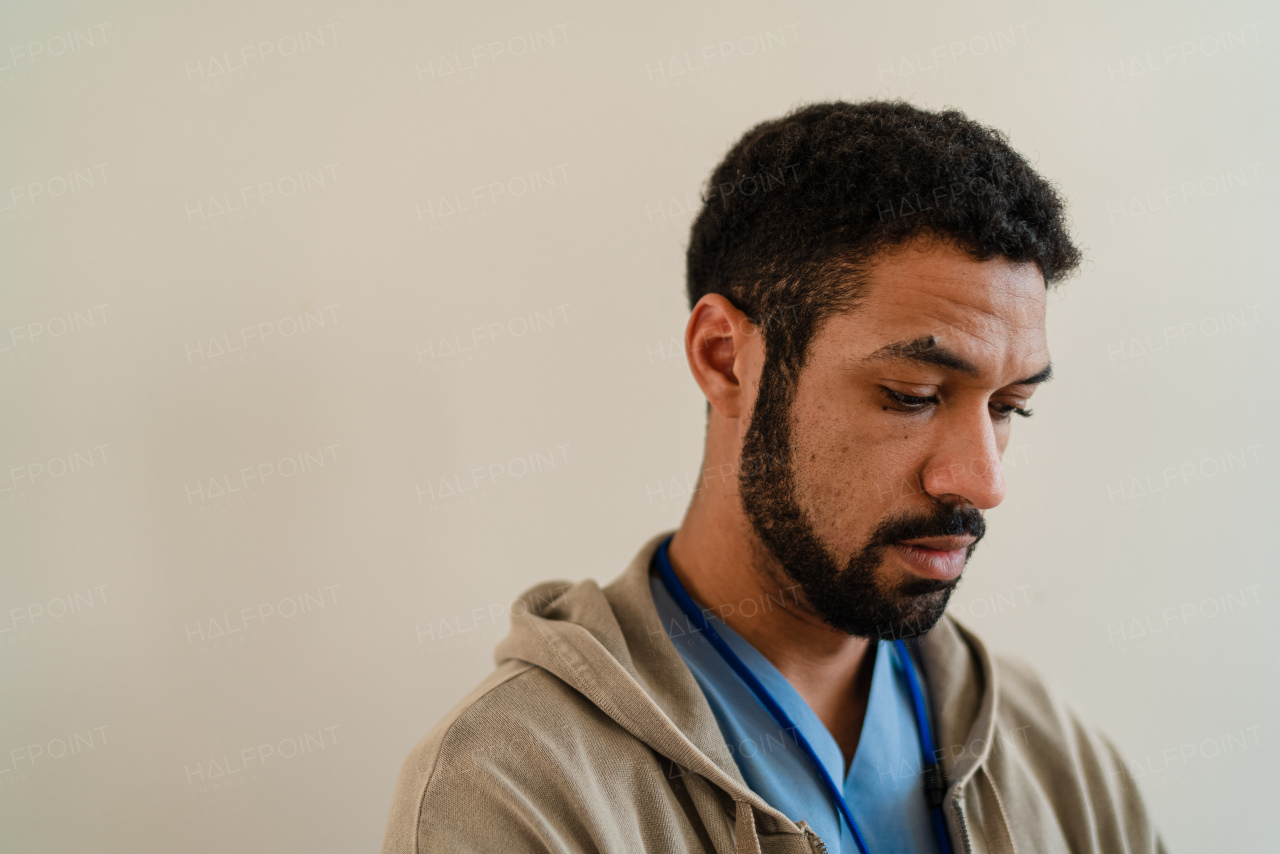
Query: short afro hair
[[800, 204]]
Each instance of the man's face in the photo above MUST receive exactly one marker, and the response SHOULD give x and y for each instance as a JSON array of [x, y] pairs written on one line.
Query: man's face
[[867, 480]]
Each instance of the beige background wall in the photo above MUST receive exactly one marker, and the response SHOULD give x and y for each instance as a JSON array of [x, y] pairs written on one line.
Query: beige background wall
[[327, 328]]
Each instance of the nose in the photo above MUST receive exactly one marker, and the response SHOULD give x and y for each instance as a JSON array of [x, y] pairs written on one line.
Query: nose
[[965, 468]]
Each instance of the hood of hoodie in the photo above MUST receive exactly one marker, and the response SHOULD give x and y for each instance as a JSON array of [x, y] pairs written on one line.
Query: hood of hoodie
[[609, 644]]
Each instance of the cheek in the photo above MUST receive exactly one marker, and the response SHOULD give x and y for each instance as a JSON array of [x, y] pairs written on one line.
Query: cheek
[[852, 467]]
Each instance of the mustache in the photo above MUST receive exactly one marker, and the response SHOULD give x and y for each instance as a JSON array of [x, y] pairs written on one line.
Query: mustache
[[943, 521]]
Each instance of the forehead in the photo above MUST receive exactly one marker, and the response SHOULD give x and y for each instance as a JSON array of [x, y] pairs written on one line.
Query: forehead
[[992, 312]]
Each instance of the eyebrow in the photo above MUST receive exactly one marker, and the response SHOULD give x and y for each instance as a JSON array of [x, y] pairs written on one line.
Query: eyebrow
[[928, 351]]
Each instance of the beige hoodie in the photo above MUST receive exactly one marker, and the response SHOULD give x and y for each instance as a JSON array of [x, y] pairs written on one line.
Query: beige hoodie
[[592, 736]]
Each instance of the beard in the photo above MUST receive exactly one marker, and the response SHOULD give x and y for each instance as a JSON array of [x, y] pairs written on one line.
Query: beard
[[846, 594]]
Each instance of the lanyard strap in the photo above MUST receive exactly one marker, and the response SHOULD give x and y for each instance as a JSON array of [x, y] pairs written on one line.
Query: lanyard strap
[[934, 784]]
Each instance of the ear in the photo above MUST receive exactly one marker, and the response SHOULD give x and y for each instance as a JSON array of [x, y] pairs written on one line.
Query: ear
[[722, 346]]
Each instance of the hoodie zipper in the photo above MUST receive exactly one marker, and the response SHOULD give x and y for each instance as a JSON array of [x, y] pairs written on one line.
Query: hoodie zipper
[[964, 827], [814, 839]]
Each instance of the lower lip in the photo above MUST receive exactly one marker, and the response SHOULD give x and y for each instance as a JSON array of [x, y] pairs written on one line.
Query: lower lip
[[933, 563]]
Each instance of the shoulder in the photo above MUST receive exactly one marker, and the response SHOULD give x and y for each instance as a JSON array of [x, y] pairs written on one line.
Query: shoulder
[[1033, 717], [1042, 743], [502, 769], [431, 756], [1024, 696], [1028, 706]]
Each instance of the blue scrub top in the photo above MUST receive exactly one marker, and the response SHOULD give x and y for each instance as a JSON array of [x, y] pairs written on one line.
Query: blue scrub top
[[885, 785]]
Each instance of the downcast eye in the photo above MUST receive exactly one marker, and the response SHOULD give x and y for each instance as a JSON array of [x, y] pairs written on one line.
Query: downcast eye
[[909, 402], [1004, 410]]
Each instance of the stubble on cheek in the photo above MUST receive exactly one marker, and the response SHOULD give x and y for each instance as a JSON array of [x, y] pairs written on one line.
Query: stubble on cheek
[[843, 464], [833, 487]]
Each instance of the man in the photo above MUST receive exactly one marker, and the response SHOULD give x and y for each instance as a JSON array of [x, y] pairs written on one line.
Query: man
[[867, 284]]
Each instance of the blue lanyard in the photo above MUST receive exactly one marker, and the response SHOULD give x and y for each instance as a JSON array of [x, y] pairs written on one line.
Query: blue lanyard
[[935, 784]]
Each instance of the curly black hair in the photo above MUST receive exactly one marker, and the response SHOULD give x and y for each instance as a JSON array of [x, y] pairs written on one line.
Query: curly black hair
[[800, 204]]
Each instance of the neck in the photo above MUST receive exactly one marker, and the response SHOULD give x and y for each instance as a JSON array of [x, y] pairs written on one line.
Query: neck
[[726, 569]]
